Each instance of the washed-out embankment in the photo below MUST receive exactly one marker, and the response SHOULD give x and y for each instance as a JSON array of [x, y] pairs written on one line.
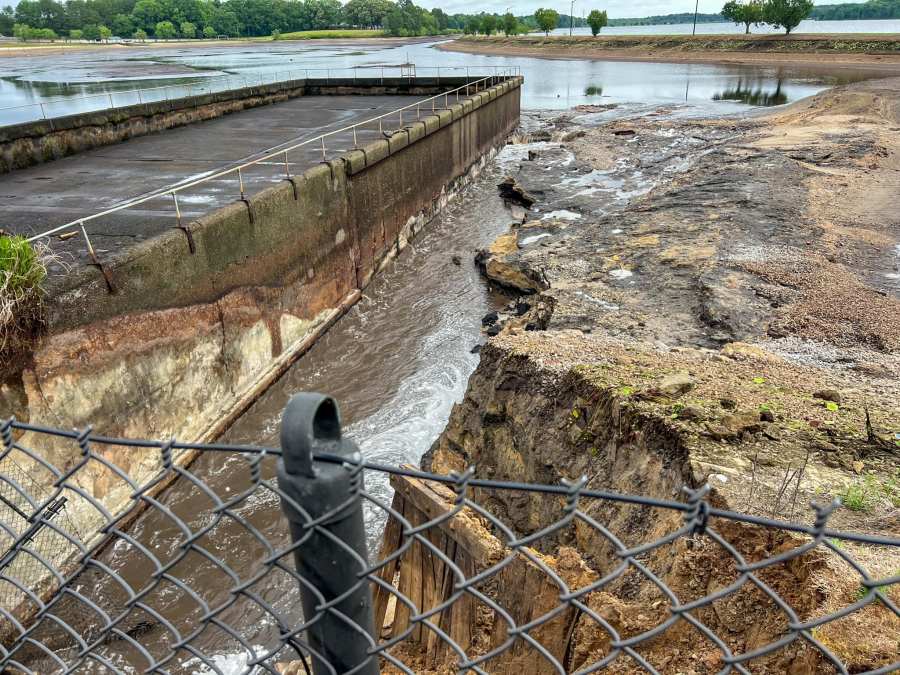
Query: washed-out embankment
[[192, 334], [734, 326], [29, 143]]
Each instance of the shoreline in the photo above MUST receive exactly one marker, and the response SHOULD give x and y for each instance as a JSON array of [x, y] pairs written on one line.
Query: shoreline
[[886, 63], [55, 49]]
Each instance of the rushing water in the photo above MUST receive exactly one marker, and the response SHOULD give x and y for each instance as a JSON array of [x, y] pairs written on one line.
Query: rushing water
[[60, 81]]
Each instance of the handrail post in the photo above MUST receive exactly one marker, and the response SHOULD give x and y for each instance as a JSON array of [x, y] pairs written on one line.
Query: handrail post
[[287, 166], [177, 210], [241, 182], [332, 558], [323, 148]]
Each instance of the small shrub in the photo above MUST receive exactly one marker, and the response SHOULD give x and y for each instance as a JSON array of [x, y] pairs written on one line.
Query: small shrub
[[22, 271], [593, 90], [860, 496]]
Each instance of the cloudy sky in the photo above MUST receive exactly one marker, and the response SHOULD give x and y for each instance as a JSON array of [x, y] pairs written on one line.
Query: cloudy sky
[[615, 8]]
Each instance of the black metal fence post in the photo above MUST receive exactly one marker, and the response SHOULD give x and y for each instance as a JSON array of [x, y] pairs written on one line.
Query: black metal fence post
[[333, 551]]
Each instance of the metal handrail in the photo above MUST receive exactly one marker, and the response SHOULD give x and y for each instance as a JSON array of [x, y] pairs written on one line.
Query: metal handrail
[[225, 79], [173, 191]]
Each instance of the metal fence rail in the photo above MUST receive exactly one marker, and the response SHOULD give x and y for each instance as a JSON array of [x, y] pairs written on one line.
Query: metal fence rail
[[281, 157], [110, 100], [191, 568]]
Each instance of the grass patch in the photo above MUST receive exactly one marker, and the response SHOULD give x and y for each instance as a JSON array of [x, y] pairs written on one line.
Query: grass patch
[[330, 34], [22, 271], [865, 494]]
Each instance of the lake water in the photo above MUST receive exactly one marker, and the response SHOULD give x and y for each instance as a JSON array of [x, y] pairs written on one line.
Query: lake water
[[60, 82], [808, 26]]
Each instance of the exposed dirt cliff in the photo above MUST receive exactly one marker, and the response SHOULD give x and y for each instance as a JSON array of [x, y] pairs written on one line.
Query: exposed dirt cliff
[[704, 301]]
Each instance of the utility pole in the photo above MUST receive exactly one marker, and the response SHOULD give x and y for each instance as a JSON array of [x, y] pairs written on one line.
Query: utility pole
[[696, 10], [572, 16]]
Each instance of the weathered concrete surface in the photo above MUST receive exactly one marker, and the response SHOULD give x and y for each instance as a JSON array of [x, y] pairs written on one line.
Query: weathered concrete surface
[[30, 143], [187, 333], [44, 196]]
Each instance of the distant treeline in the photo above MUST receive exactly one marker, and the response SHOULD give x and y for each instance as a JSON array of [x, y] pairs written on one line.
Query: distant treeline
[[166, 19], [873, 9], [101, 19]]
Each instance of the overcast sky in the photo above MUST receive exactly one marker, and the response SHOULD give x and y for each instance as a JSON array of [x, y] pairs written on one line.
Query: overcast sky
[[615, 8]]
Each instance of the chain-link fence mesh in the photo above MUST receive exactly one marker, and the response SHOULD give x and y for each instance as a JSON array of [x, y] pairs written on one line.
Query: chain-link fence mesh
[[137, 556]]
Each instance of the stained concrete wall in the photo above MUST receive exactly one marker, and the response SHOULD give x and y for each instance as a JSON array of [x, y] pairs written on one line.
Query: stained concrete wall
[[30, 143], [187, 335]]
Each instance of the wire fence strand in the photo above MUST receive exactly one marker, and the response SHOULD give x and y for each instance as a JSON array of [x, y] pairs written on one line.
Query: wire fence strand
[[125, 556]]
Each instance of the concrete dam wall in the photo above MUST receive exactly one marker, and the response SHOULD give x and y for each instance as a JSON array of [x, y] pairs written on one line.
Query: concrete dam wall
[[31, 143], [189, 336]]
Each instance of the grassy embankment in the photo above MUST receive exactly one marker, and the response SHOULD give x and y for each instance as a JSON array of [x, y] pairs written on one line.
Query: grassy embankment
[[837, 44]]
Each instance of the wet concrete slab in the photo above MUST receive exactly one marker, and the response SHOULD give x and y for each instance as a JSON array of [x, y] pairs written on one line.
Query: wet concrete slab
[[40, 198]]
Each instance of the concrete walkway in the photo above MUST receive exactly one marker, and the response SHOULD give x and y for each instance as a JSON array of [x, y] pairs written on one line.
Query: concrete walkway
[[39, 198]]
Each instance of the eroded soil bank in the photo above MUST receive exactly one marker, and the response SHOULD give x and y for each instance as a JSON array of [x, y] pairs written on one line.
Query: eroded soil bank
[[702, 301]]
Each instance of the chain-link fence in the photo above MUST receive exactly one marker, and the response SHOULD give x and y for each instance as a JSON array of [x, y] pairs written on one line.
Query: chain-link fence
[[131, 556]]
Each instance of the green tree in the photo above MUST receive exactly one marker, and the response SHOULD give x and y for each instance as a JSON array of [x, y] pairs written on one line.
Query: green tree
[[187, 29], [276, 34], [7, 20], [140, 34], [744, 12], [488, 23], [28, 13], [104, 32], [547, 19], [22, 31], [76, 34], [443, 21], [510, 24], [165, 30], [122, 25], [472, 25], [786, 14], [226, 22], [366, 13], [209, 32], [147, 13], [597, 20], [91, 32]]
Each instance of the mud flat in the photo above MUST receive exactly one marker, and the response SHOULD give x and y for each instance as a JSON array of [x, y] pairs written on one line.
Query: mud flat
[[881, 52], [702, 301]]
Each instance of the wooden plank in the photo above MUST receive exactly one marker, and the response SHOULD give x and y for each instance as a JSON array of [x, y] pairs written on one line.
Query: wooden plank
[[463, 616], [401, 615], [468, 529], [393, 532], [433, 641], [414, 586], [449, 548]]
